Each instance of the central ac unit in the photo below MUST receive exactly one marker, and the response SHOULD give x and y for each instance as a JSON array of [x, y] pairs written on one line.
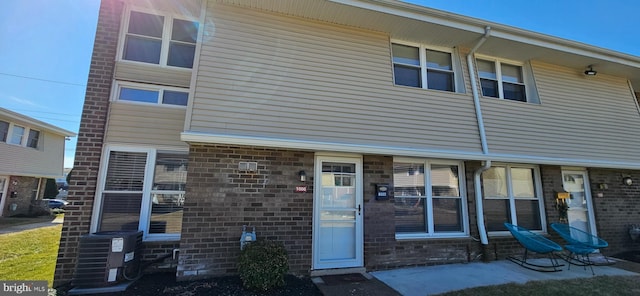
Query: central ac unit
[[107, 258]]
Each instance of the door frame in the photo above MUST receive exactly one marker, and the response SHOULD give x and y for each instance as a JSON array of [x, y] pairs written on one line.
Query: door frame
[[358, 261], [587, 195], [3, 193]]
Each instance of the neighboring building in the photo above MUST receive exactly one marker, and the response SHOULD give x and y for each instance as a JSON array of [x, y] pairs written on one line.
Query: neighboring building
[[31, 151], [293, 116]]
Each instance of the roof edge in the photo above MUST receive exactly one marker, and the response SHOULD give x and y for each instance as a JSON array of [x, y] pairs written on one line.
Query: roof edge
[[37, 123], [418, 12]]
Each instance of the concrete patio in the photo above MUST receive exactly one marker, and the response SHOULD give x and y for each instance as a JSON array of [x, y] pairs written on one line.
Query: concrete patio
[[433, 280]]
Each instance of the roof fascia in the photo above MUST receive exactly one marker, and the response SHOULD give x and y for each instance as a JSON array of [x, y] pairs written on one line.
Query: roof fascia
[[36, 123], [457, 21]]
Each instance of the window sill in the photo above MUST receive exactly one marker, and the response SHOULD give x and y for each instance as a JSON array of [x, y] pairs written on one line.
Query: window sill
[[504, 234], [407, 237], [144, 104], [155, 65], [161, 238], [428, 89]]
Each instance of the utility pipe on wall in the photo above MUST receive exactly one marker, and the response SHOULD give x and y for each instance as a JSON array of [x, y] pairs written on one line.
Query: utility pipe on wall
[[483, 139]]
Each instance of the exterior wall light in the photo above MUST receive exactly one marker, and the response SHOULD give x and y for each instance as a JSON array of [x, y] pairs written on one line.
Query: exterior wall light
[[303, 176], [590, 71], [627, 181]]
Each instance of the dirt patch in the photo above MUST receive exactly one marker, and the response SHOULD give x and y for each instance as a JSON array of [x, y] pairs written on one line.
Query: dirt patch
[[161, 284]]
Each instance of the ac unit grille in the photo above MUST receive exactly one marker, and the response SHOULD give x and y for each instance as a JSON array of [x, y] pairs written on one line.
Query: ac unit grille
[[96, 259]]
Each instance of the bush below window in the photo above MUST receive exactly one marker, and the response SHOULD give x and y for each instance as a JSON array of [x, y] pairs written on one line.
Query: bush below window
[[262, 265]]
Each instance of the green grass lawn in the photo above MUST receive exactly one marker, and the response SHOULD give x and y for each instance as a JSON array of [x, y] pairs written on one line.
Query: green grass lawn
[[30, 254]]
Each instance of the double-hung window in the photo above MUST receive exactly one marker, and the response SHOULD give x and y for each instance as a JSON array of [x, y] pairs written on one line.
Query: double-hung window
[[33, 138], [15, 134], [4, 130], [142, 93], [160, 39], [512, 193], [418, 66], [429, 198], [501, 80], [143, 189]]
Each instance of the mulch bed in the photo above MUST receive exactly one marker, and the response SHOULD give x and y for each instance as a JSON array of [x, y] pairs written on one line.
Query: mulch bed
[[633, 256], [160, 284]]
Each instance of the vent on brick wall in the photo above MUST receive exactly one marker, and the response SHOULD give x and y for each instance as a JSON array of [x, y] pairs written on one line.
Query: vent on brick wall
[[248, 166]]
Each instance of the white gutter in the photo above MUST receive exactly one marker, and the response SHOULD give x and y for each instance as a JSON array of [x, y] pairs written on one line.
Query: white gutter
[[483, 139]]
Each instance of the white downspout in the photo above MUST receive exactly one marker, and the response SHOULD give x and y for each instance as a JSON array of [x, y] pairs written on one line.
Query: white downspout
[[483, 139]]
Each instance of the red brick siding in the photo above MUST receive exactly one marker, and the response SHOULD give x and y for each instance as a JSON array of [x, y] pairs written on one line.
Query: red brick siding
[[90, 139], [220, 199]]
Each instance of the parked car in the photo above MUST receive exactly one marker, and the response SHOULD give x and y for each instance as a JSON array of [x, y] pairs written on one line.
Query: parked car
[[56, 203]]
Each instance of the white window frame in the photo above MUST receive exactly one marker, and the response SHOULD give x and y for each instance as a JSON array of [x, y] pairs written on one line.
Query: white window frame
[[166, 35], [118, 85], [423, 65], [498, 66], [25, 136], [512, 200], [146, 203], [429, 200]]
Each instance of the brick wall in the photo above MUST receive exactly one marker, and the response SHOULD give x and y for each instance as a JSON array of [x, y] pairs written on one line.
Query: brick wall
[[24, 198], [90, 139], [220, 199], [616, 207]]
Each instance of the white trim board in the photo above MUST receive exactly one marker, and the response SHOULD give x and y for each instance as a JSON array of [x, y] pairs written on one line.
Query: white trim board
[[199, 137]]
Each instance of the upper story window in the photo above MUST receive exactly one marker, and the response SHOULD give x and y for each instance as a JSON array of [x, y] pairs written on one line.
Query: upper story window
[[150, 94], [429, 198], [4, 130], [160, 39], [501, 80], [422, 67], [12, 133], [33, 138], [513, 193], [17, 134]]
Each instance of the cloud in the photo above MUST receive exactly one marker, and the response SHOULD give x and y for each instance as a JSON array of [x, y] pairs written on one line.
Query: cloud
[[25, 102]]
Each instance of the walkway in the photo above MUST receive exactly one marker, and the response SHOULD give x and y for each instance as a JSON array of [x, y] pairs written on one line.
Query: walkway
[[433, 280], [4, 229]]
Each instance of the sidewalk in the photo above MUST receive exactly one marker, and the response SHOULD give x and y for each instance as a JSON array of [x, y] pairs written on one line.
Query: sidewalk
[[439, 279], [37, 223]]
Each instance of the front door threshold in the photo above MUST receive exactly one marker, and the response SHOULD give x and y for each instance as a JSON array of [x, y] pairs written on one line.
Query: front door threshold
[[322, 272]]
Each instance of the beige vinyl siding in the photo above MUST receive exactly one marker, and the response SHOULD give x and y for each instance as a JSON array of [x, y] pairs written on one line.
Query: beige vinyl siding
[[145, 124], [46, 161], [580, 117], [286, 78], [140, 72]]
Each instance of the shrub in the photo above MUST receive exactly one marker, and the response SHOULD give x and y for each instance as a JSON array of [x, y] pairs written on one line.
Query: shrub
[[263, 264]]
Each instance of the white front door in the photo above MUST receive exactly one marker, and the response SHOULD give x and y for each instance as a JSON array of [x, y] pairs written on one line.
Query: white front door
[[337, 215], [3, 192], [579, 213]]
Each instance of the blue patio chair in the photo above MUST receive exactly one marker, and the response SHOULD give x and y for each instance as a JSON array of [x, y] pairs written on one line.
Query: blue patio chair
[[581, 241], [535, 243]]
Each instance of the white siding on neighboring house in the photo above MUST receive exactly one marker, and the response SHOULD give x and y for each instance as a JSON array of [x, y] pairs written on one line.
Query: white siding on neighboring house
[[273, 76], [580, 117], [145, 124], [45, 161]]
